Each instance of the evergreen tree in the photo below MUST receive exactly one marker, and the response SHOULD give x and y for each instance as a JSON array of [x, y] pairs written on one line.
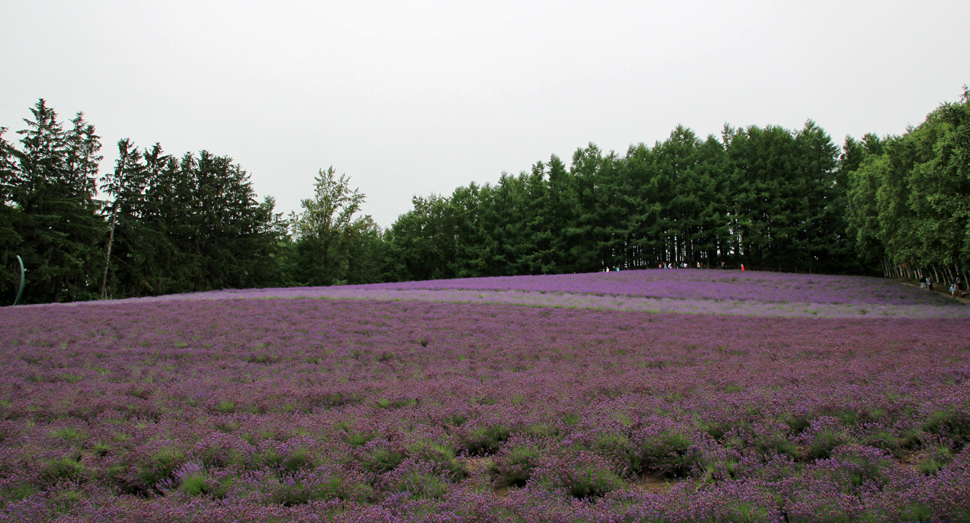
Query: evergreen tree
[[645, 222], [465, 208], [187, 225], [584, 253], [124, 270], [677, 158], [560, 207], [766, 200], [10, 214], [535, 233], [711, 242], [821, 241], [52, 182]]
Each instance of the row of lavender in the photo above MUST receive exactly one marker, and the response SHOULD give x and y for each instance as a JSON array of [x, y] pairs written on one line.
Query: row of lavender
[[706, 284], [763, 289], [602, 302], [718, 292], [302, 409]]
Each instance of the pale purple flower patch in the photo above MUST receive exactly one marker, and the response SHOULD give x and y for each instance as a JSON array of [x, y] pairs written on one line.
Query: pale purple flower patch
[[686, 291]]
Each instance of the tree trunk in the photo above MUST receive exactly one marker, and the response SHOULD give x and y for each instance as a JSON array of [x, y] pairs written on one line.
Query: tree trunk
[[107, 257]]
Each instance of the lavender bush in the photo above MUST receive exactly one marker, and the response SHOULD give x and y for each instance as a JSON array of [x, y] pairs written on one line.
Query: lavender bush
[[698, 284], [362, 410], [747, 293]]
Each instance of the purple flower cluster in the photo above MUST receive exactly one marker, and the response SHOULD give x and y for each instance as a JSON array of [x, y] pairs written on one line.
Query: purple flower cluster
[[757, 286], [353, 410], [657, 291]]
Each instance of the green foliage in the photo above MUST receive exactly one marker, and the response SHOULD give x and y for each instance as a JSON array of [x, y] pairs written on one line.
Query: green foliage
[[159, 466], [934, 459], [175, 247], [908, 203], [306, 488], [823, 444], [668, 454], [584, 476], [515, 465], [68, 433], [381, 458], [594, 482], [357, 439], [48, 212], [66, 468], [953, 423], [768, 198], [421, 244], [298, 458], [201, 484], [485, 440], [333, 244], [172, 225], [419, 482], [440, 455], [869, 469], [263, 359], [744, 512]]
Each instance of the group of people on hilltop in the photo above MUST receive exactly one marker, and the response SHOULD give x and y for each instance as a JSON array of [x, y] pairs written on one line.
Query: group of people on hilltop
[[682, 265], [926, 282], [955, 288], [685, 265]]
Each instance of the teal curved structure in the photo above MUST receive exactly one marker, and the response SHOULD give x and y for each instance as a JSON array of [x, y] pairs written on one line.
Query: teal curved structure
[[22, 272]]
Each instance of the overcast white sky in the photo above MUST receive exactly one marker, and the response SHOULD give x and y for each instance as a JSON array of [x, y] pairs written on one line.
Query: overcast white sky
[[413, 98]]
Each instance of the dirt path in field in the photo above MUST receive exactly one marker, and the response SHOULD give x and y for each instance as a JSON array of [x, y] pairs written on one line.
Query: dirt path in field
[[964, 298]]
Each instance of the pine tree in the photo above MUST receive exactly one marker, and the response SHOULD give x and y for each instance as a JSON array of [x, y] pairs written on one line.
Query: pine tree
[[10, 215], [54, 185]]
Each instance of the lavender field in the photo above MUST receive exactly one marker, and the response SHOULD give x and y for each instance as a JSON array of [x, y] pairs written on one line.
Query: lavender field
[[228, 406], [673, 291]]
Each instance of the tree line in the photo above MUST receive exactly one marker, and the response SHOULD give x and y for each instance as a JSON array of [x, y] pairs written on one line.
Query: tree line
[[172, 224], [764, 198], [767, 198], [909, 197]]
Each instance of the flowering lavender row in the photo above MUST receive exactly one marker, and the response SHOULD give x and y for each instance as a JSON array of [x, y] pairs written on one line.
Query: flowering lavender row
[[254, 410], [670, 291], [666, 291], [598, 302], [701, 284]]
